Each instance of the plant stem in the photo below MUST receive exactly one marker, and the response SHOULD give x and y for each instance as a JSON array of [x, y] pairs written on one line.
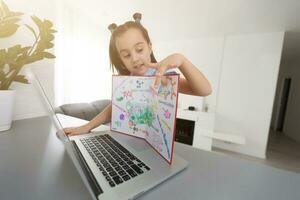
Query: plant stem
[[34, 44]]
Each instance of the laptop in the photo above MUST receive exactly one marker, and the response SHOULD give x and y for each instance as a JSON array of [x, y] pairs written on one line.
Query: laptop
[[112, 165]]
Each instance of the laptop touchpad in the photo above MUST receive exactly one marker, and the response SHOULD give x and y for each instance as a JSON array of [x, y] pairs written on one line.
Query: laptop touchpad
[[137, 145]]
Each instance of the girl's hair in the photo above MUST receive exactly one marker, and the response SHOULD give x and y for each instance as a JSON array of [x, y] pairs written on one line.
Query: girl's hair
[[115, 60]]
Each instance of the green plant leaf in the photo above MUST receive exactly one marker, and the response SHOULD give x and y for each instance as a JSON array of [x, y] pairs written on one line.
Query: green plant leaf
[[37, 21], [8, 30], [17, 56], [40, 46], [13, 52], [52, 31], [47, 24], [49, 45], [32, 30], [4, 7], [2, 55], [2, 75], [33, 58], [21, 79], [9, 21], [25, 48], [50, 37], [48, 55], [13, 14]]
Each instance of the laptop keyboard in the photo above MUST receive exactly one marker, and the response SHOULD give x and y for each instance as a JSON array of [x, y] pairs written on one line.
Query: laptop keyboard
[[114, 161]]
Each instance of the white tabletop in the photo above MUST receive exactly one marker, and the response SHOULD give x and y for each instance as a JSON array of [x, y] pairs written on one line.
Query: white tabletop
[[34, 165]]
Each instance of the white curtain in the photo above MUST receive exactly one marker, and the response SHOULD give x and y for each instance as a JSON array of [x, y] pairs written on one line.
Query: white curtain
[[82, 71]]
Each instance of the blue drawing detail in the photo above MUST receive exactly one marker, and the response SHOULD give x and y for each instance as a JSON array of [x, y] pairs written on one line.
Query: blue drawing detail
[[164, 136]]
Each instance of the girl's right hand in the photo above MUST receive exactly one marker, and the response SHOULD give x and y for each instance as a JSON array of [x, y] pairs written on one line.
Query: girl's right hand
[[71, 131]]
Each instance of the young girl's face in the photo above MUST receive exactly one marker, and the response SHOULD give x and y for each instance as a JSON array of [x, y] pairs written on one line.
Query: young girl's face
[[134, 51]]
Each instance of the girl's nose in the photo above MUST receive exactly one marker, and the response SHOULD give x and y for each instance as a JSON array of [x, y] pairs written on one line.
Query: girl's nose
[[134, 57]]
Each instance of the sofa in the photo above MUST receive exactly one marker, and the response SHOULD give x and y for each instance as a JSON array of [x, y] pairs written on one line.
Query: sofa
[[86, 111]]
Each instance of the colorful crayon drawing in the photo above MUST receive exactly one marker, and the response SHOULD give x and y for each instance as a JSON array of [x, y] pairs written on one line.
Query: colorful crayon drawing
[[141, 110], [139, 114], [167, 114]]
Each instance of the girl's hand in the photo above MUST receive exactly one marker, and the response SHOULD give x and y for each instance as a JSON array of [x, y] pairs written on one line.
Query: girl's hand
[[173, 61], [71, 131]]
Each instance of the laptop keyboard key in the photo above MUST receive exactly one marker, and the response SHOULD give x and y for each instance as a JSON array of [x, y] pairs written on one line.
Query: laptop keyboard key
[[126, 177], [126, 167], [140, 165], [117, 180], [130, 163], [131, 172], [109, 169], [122, 173], [118, 168], [112, 174], [137, 169], [111, 183]]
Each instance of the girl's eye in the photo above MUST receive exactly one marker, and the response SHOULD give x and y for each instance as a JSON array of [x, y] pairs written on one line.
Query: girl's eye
[[139, 50], [126, 56]]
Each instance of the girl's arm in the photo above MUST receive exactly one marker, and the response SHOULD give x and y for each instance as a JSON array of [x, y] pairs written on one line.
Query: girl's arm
[[195, 82], [101, 118]]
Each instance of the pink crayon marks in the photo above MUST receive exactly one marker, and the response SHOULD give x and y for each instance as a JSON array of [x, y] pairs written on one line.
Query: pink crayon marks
[[167, 114], [127, 94]]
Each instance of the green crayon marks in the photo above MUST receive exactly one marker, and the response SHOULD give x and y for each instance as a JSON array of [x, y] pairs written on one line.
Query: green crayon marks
[[119, 98], [140, 114], [118, 123]]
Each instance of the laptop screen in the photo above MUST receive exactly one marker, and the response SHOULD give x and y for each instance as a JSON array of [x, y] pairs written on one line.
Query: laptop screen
[[47, 104], [70, 145]]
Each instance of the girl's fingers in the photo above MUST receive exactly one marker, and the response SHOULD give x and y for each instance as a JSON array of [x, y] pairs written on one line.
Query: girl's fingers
[[164, 81], [153, 65], [157, 80], [159, 75], [160, 70]]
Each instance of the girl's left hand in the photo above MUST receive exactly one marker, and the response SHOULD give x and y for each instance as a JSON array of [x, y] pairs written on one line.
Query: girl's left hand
[[172, 61]]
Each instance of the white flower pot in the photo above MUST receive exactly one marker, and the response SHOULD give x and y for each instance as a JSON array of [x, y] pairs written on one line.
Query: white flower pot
[[7, 101]]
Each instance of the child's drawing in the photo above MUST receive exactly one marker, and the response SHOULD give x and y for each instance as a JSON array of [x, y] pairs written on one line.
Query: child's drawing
[[140, 110]]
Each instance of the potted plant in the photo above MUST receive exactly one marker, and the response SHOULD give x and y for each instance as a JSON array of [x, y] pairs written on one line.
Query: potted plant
[[14, 58]]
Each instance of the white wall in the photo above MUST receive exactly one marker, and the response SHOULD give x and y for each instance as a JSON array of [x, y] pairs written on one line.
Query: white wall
[[243, 71], [27, 102], [206, 54], [247, 88]]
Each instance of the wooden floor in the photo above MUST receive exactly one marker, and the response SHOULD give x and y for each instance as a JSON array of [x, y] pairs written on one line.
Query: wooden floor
[[282, 152]]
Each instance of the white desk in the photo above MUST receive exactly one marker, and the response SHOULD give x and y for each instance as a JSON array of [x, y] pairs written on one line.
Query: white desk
[[34, 165]]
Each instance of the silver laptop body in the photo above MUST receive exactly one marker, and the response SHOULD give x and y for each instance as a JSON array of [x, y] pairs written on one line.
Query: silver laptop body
[[89, 171]]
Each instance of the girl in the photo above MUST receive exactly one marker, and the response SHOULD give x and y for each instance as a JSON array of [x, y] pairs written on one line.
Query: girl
[[130, 52]]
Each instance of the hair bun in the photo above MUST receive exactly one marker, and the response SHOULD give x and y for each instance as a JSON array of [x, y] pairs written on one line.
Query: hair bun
[[112, 27], [137, 17]]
